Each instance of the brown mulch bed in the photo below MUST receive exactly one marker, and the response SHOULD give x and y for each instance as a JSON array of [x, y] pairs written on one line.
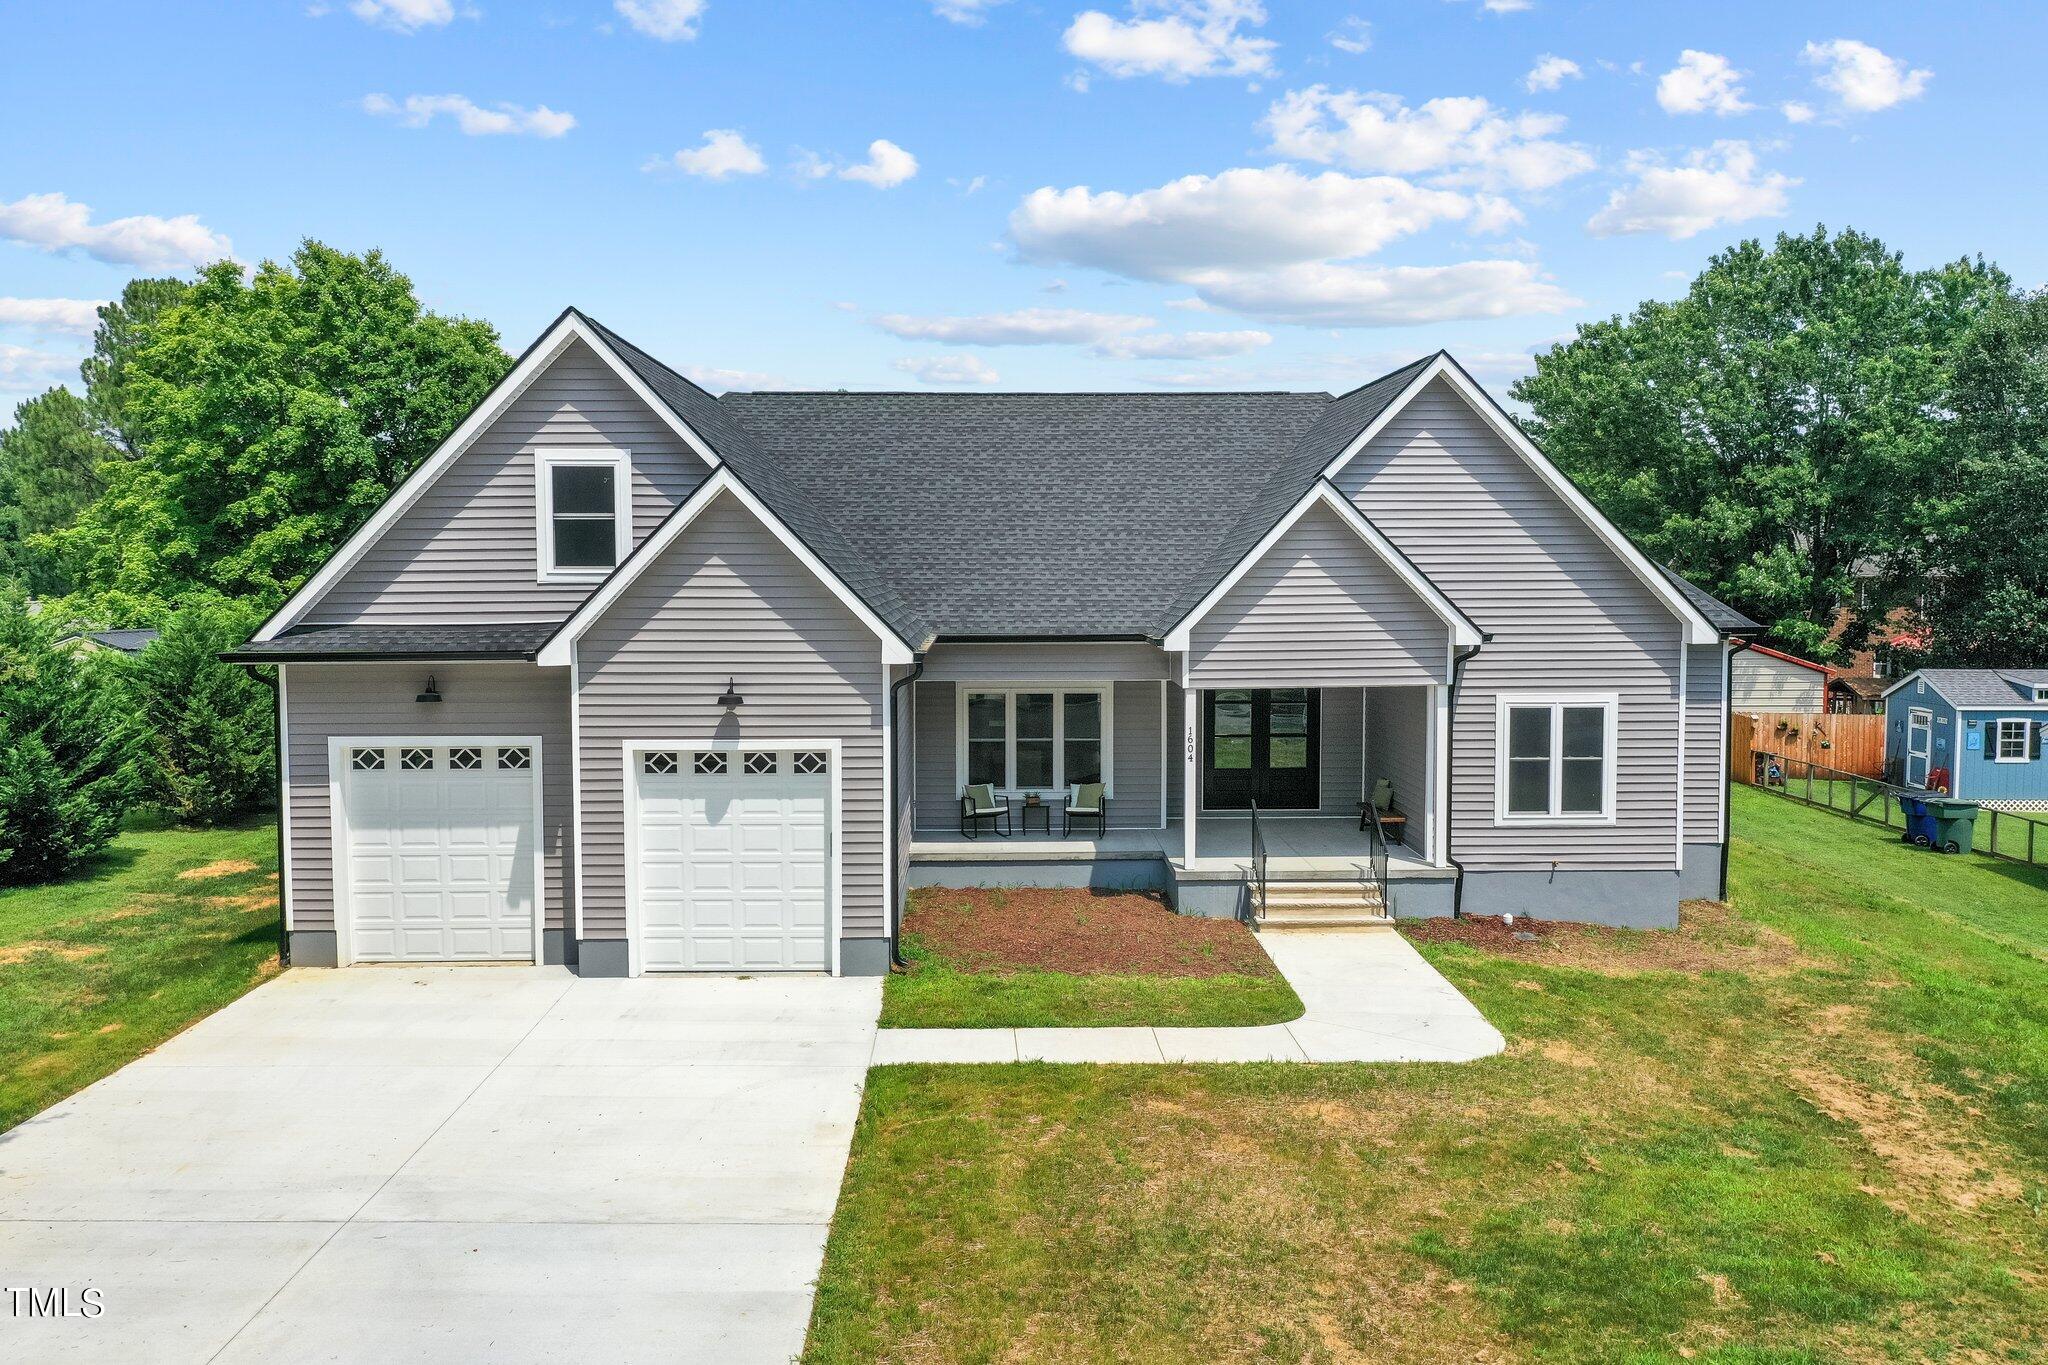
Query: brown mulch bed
[[1709, 938], [1080, 932]]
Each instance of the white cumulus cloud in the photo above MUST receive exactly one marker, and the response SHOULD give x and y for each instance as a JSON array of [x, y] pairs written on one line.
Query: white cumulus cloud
[[723, 153], [1174, 39], [949, 369], [720, 380], [76, 316], [1352, 34], [1023, 327], [1796, 111], [668, 21], [1702, 83], [1239, 219], [1862, 79], [887, 166], [1503, 6], [1550, 72], [1714, 185], [1460, 139], [24, 371], [1183, 345], [407, 16], [1332, 294], [417, 111], [52, 222]]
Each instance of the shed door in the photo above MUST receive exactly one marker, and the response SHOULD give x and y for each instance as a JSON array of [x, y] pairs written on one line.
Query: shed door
[[440, 842], [733, 859], [1919, 745]]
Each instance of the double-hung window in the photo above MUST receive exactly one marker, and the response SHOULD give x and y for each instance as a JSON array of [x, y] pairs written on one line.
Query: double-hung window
[[586, 513], [1034, 738], [2013, 741], [1556, 759]]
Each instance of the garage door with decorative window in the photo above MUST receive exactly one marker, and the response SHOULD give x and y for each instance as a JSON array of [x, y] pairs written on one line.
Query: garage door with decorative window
[[732, 854], [440, 842]]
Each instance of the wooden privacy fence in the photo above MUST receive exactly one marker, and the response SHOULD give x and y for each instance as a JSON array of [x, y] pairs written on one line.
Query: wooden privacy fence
[[1847, 744], [2015, 836]]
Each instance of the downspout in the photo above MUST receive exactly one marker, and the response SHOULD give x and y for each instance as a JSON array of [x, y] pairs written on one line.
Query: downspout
[[896, 775], [1450, 765], [284, 941], [1728, 755]]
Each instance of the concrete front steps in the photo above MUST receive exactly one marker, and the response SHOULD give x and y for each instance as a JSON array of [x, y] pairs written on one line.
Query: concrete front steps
[[1324, 905]]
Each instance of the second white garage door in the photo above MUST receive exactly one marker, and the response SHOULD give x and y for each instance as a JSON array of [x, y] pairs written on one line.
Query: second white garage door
[[733, 859]]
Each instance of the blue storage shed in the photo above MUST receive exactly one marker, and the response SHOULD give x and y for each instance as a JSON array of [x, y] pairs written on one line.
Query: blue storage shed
[[1983, 727]]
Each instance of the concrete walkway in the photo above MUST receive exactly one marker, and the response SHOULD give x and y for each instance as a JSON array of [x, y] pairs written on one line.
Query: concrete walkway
[[449, 1164], [1368, 996]]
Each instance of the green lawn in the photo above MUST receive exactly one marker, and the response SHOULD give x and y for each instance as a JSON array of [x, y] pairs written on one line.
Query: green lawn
[[98, 969], [935, 996], [1826, 1138]]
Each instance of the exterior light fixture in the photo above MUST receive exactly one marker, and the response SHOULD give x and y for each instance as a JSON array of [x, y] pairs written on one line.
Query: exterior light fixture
[[730, 698], [431, 693]]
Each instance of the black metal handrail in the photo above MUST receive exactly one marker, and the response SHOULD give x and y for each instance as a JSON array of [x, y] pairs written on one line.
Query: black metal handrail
[[1376, 851], [1255, 900]]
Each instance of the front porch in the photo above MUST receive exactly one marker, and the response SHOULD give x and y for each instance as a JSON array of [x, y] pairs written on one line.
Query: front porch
[[1305, 847]]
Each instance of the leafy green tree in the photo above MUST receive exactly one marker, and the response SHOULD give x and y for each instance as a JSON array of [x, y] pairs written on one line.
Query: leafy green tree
[[1774, 427], [207, 725], [67, 772], [267, 417], [49, 469], [1983, 563], [124, 324]]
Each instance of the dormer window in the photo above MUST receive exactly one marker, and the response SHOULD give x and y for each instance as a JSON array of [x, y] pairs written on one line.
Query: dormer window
[[586, 513]]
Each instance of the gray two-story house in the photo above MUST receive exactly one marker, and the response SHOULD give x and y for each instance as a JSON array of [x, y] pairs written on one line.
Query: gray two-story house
[[640, 679]]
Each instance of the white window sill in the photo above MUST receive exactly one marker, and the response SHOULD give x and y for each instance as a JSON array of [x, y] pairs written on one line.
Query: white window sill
[[1553, 821], [573, 576]]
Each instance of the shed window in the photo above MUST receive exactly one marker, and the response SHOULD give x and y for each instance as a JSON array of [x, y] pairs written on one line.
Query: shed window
[[1556, 759], [2016, 742]]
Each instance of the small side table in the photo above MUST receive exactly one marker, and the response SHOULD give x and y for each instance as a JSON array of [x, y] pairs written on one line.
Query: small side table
[[1030, 804]]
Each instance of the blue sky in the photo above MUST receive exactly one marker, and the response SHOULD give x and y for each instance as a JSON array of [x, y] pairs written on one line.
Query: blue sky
[[1006, 193]]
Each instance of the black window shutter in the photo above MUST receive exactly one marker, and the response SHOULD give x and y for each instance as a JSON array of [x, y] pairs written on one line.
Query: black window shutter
[[2034, 741]]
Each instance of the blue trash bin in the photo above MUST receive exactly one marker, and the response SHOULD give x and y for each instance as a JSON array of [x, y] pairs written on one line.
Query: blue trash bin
[[1920, 828]]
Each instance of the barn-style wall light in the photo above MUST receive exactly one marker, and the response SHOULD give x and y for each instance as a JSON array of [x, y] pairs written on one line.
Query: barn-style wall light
[[430, 692], [731, 699]]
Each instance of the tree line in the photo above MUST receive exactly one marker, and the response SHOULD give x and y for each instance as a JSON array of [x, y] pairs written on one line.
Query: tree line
[[1813, 432]]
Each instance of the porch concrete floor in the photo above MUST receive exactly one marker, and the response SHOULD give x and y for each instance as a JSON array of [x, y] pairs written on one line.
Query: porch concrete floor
[[1368, 996], [1295, 845]]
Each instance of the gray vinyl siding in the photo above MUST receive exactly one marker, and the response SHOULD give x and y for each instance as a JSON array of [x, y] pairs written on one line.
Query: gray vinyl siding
[[1705, 761], [1135, 758], [1762, 683], [938, 785], [727, 599], [1566, 614], [1045, 661], [477, 699], [1397, 748], [1340, 769], [1320, 608], [467, 550]]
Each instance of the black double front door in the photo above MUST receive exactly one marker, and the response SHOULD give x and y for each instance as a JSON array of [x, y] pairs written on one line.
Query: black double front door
[[1260, 744]]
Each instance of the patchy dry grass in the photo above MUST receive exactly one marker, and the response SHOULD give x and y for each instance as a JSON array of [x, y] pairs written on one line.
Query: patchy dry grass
[[159, 931], [1811, 1129]]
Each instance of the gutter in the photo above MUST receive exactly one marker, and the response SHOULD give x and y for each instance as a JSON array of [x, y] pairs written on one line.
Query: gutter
[[1450, 765], [896, 776]]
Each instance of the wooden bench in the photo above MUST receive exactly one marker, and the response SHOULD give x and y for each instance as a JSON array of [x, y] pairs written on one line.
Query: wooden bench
[[1392, 822]]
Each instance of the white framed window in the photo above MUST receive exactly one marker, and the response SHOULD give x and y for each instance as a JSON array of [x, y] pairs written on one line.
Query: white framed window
[[1556, 758], [585, 501], [2011, 740], [1040, 737]]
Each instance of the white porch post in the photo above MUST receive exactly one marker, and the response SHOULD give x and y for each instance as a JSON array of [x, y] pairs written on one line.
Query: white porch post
[[1438, 841], [1190, 775]]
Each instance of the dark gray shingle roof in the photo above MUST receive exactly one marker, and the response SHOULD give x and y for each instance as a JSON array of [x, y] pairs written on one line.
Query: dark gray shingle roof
[[1985, 686], [516, 640], [1719, 614]]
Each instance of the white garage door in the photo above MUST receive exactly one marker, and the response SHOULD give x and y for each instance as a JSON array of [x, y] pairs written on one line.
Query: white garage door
[[733, 854], [440, 842]]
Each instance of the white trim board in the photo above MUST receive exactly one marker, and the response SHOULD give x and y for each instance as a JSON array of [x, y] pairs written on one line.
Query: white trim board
[[570, 327], [1700, 631], [556, 652], [835, 928], [1463, 632], [337, 827]]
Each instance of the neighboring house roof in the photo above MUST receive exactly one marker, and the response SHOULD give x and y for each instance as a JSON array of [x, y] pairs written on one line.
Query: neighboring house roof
[[1977, 687], [307, 644], [1864, 686], [1770, 653], [127, 640]]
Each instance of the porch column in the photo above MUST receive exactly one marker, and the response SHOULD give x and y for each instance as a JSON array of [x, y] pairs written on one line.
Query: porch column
[[1191, 775]]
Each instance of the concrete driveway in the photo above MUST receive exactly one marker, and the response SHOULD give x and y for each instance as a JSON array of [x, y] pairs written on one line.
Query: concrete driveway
[[444, 1164]]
